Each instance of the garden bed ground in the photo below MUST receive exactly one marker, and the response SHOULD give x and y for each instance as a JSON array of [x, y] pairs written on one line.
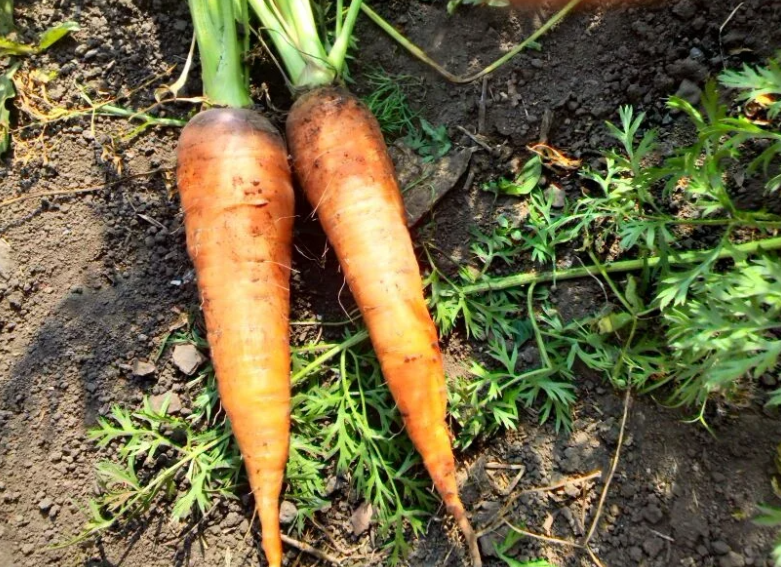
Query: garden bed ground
[[91, 282]]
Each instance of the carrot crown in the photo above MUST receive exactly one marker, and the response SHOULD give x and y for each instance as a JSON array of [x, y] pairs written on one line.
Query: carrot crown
[[225, 79], [309, 59]]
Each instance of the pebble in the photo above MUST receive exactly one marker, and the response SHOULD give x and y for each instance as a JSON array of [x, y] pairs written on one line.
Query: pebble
[[720, 547], [174, 402], [689, 91], [685, 9], [537, 63], [28, 548], [45, 504], [688, 69], [287, 513], [54, 511], [187, 358], [361, 518], [732, 559], [143, 368]]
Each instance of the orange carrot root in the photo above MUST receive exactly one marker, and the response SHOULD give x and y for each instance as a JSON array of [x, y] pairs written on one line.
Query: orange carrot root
[[342, 164], [237, 196]]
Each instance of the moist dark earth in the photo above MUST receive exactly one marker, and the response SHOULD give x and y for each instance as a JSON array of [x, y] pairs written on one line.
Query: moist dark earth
[[90, 282]]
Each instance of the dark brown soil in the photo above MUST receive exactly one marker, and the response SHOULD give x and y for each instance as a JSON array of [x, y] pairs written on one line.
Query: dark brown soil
[[96, 279]]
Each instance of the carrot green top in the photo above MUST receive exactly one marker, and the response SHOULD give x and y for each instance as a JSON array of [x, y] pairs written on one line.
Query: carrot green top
[[309, 59], [225, 81]]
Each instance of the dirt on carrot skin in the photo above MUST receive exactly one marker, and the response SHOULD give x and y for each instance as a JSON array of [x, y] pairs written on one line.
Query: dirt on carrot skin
[[89, 283]]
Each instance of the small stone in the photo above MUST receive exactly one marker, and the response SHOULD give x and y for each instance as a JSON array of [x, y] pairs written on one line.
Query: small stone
[[332, 485], [7, 265], [732, 559], [28, 548], [45, 504], [287, 513], [361, 518], [768, 379], [488, 544], [559, 197], [54, 511], [143, 368], [174, 402], [689, 91], [55, 457], [720, 547], [686, 9], [187, 358], [688, 69], [537, 63]]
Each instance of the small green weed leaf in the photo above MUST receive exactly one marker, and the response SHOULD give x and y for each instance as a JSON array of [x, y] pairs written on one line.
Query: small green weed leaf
[[526, 181], [770, 516], [47, 39], [631, 295], [757, 84], [614, 322], [13, 48], [55, 34], [7, 92]]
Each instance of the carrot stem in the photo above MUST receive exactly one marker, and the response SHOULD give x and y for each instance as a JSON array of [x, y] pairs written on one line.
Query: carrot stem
[[339, 50], [356, 339], [420, 54], [224, 77], [691, 257]]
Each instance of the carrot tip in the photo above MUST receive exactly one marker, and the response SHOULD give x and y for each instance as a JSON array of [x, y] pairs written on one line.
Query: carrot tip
[[471, 541]]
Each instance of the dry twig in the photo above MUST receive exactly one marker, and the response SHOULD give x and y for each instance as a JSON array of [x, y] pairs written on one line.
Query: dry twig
[[78, 190]]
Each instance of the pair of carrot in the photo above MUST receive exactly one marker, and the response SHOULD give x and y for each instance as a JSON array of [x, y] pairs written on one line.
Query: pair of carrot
[[237, 195], [236, 188]]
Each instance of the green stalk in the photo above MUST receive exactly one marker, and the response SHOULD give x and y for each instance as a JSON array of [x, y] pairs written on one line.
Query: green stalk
[[292, 59], [691, 257], [306, 27], [294, 32], [223, 74], [339, 50], [420, 54], [357, 338], [339, 10]]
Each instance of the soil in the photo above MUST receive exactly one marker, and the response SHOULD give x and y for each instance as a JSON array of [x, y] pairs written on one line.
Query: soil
[[90, 282]]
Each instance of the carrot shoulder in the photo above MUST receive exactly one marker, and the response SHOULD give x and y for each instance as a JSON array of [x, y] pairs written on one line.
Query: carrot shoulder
[[343, 167], [237, 195]]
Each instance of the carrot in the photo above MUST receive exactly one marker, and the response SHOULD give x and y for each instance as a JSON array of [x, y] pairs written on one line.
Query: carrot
[[342, 164], [237, 195], [343, 167]]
